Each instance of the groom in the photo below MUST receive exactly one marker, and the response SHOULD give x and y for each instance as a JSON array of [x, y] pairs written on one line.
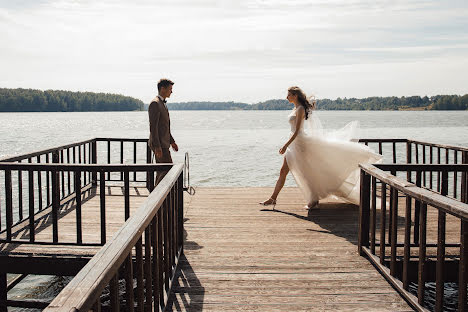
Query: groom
[[160, 126]]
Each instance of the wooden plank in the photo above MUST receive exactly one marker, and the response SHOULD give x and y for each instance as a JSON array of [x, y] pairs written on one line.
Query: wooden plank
[[240, 256]]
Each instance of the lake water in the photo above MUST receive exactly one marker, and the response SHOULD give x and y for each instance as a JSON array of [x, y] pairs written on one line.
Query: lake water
[[227, 148]]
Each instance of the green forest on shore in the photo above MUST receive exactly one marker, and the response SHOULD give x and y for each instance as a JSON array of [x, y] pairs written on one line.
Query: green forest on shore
[[30, 100], [438, 102]]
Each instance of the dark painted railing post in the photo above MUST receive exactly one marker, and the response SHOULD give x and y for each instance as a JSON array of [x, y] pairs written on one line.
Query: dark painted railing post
[[3, 292], [147, 270], [149, 174], [32, 228], [9, 203], [373, 214], [94, 161], [180, 212], [408, 159], [102, 197], [394, 230], [464, 180], [417, 210], [407, 247], [55, 197], [364, 212], [463, 268], [383, 216], [77, 182], [127, 194], [422, 254]]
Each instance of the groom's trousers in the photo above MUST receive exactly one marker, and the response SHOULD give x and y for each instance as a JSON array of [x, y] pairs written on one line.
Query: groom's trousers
[[165, 158]]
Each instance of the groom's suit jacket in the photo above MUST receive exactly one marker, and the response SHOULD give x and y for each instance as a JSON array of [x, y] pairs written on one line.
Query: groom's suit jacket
[[160, 125]]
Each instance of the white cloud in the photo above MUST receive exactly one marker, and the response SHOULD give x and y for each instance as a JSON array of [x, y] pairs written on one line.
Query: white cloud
[[247, 50]]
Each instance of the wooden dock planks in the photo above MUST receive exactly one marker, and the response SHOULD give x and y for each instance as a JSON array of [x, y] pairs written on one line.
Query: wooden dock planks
[[240, 256]]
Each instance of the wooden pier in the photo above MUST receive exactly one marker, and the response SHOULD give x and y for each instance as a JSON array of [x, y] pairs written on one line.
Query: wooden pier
[[134, 247], [240, 256]]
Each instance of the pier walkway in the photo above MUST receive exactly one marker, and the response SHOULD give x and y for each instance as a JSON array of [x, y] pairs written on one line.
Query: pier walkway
[[90, 210], [240, 256]]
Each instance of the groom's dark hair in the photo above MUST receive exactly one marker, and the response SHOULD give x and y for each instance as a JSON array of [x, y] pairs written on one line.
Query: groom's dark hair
[[164, 83]]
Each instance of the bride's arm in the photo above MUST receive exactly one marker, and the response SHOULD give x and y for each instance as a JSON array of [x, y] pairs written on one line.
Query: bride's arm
[[299, 120]]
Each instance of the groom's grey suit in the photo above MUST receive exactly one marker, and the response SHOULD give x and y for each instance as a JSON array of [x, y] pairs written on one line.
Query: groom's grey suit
[[160, 132]]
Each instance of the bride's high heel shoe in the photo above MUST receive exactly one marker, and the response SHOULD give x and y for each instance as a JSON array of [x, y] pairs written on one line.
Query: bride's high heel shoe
[[269, 202]]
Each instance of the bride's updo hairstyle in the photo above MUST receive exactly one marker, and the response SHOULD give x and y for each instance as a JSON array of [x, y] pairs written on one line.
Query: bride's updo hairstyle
[[303, 100]]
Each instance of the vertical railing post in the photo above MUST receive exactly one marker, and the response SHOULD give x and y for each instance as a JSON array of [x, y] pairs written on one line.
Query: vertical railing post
[[407, 242], [422, 254], [149, 175], [373, 214], [20, 193], [79, 235], [180, 212], [94, 161], [55, 197], [383, 216], [147, 269], [160, 256], [121, 158], [408, 159], [364, 211], [440, 265], [394, 231], [463, 268], [464, 179], [155, 266], [129, 294], [3, 292], [31, 201], [102, 196], [417, 209], [9, 203], [127, 193], [139, 275]]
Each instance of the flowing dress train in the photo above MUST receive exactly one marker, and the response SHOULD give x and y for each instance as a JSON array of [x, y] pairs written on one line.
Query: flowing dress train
[[327, 164]]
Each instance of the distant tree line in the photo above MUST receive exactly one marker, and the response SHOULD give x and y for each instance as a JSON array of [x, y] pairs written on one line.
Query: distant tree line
[[29, 100], [438, 102]]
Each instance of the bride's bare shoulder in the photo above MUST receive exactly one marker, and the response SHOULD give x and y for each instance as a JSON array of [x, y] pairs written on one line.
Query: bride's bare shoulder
[[300, 109]]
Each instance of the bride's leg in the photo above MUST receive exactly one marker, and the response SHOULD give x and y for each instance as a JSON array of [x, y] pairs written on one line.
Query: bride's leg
[[281, 180], [279, 184]]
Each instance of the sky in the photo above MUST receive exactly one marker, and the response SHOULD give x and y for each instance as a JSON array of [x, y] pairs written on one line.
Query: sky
[[244, 50]]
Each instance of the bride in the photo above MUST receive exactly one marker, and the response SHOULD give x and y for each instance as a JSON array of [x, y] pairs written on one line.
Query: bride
[[323, 164]]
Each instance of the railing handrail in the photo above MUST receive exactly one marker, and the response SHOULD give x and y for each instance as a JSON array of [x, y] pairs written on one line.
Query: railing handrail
[[384, 140], [120, 140], [86, 287], [423, 167], [452, 147], [86, 167], [42, 152], [438, 201]]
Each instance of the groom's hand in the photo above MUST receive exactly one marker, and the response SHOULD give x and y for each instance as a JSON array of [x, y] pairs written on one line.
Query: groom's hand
[[175, 147], [158, 152]]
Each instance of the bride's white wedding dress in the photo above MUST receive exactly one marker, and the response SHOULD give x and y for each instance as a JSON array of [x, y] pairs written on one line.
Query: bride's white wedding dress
[[327, 163]]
